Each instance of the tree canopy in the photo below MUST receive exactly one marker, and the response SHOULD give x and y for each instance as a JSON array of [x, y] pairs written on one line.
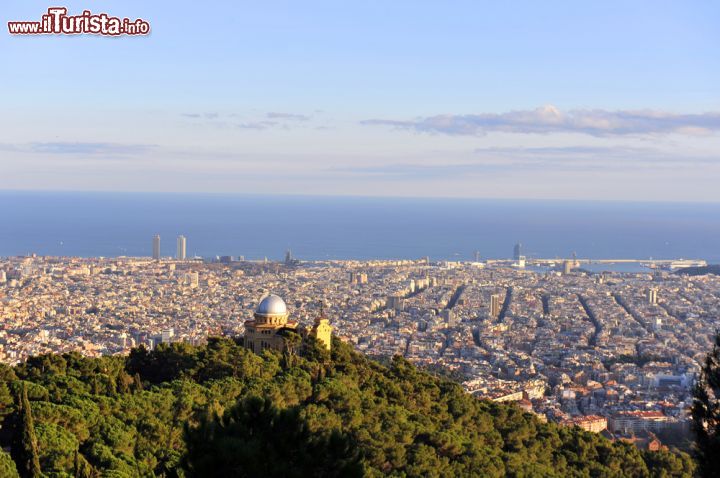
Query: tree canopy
[[706, 414], [221, 410]]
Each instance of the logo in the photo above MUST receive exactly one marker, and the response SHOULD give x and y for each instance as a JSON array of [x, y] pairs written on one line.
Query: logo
[[58, 22]]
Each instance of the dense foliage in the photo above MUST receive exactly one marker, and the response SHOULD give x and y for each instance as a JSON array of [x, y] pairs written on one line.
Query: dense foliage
[[706, 414], [700, 270], [219, 410]]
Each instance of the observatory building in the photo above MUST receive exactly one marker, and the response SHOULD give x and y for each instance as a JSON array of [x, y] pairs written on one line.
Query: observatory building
[[270, 326]]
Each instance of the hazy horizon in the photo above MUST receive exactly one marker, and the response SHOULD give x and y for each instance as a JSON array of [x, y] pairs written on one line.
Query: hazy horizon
[[358, 196], [317, 227]]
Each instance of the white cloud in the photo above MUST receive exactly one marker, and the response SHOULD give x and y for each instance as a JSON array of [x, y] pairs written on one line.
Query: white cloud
[[549, 119]]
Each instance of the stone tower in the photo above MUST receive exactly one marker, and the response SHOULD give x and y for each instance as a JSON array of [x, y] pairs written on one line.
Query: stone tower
[[322, 330]]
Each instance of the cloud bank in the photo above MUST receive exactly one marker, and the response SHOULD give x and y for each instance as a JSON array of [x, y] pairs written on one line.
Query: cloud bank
[[288, 116], [271, 120], [519, 162], [80, 148], [549, 119]]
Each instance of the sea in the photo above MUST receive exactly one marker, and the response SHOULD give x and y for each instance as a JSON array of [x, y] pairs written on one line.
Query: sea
[[104, 224]]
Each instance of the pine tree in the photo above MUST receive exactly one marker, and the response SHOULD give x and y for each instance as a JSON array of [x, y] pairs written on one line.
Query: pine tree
[[706, 414], [81, 468], [137, 383], [31, 460], [291, 342], [76, 465]]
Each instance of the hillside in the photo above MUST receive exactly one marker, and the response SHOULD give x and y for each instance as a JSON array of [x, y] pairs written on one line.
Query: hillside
[[700, 271], [219, 410]]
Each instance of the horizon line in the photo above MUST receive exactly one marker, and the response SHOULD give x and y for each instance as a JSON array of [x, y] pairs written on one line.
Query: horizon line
[[357, 196]]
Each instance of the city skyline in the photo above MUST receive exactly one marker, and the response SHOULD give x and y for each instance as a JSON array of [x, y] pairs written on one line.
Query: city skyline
[[613, 353], [415, 99]]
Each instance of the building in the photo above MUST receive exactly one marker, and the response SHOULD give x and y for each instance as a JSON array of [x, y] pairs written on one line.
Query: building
[[271, 327], [322, 330], [517, 251], [503, 396], [652, 296], [396, 302], [358, 278], [568, 267], [156, 247], [638, 421], [494, 305], [181, 248], [166, 335], [190, 279], [590, 423], [448, 316], [684, 381]]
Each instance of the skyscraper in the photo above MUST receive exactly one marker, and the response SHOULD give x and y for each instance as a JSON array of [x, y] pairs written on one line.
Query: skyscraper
[[181, 248], [494, 305], [517, 251], [156, 247], [652, 296]]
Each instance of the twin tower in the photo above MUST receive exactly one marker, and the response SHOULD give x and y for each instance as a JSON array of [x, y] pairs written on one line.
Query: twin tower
[[270, 328]]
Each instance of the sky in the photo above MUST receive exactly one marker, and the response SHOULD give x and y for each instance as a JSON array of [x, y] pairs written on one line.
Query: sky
[[569, 100]]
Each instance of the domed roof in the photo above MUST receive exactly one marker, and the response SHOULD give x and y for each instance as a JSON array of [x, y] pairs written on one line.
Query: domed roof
[[271, 305]]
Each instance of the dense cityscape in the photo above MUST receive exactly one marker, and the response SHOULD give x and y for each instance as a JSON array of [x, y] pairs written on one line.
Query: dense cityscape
[[614, 352]]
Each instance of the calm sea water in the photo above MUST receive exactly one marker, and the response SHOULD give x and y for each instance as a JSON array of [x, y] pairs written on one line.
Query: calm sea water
[[112, 224]]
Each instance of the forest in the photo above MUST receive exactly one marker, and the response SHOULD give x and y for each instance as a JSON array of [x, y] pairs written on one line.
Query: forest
[[220, 410]]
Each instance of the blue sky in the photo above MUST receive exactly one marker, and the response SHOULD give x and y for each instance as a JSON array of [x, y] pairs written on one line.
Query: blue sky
[[573, 100]]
